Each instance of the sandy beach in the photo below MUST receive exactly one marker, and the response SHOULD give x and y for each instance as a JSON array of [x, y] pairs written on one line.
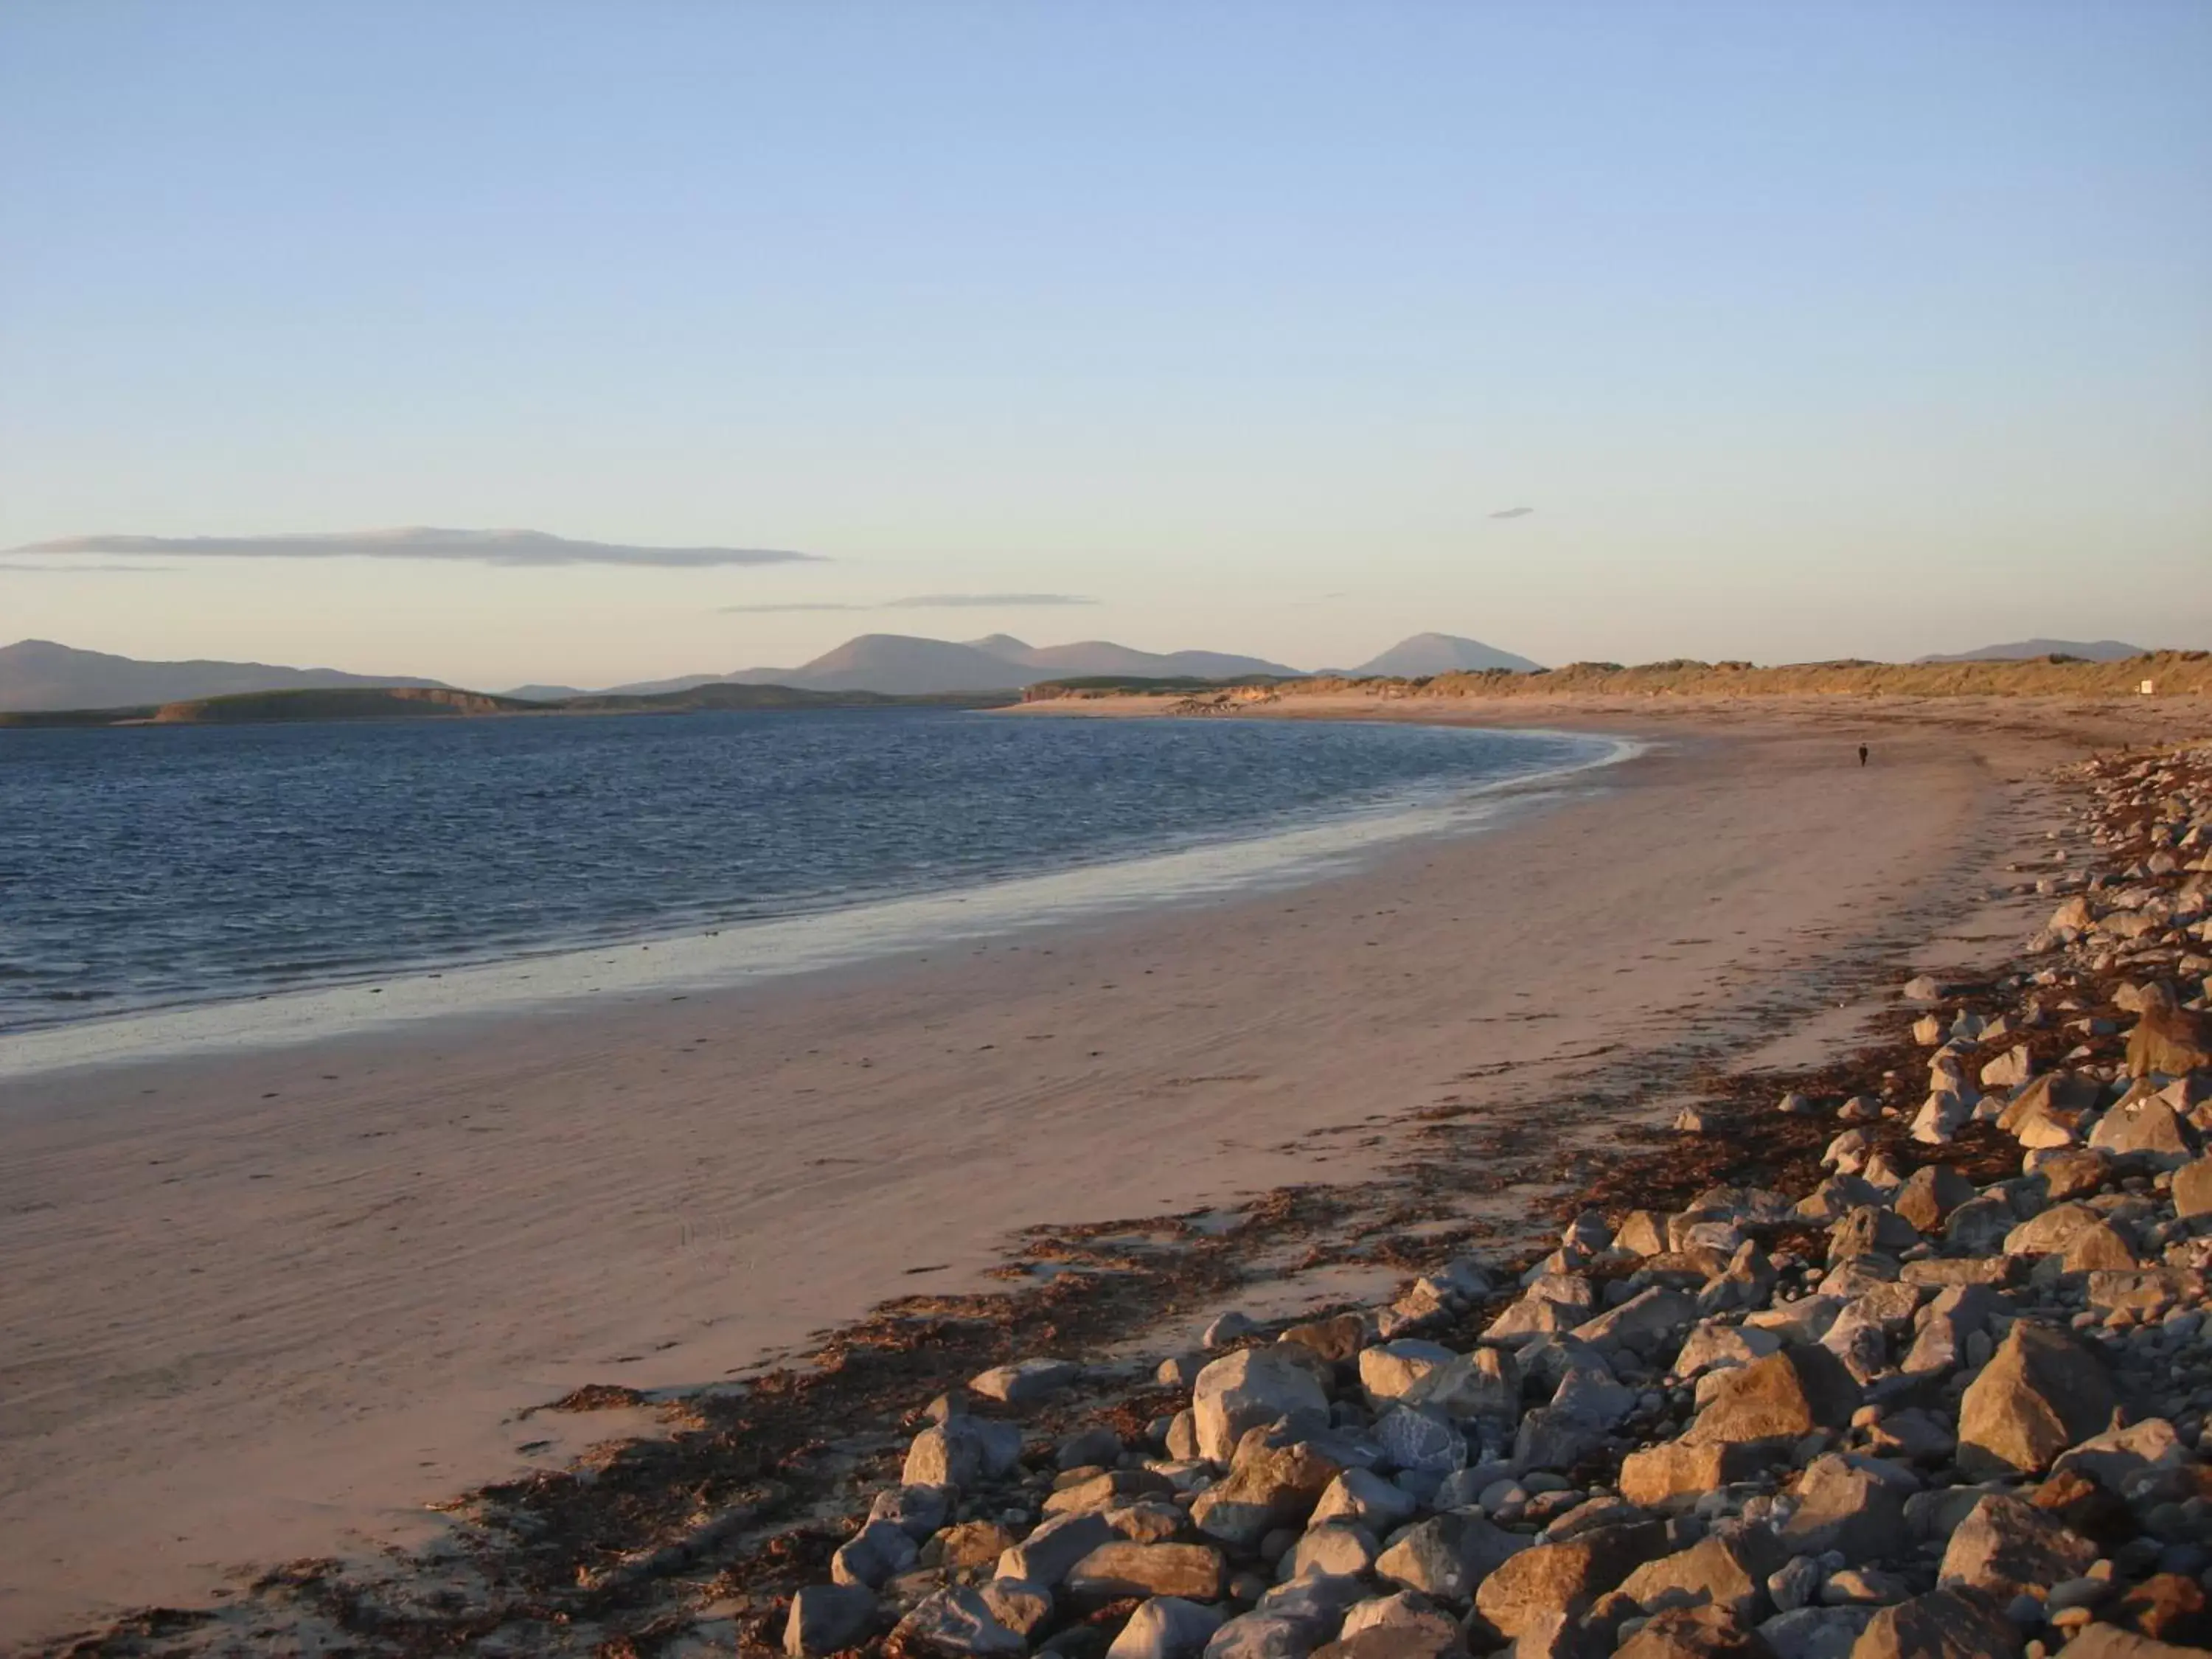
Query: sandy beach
[[274, 1304]]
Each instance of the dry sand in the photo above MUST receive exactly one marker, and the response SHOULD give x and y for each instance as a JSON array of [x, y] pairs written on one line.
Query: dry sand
[[275, 1303]]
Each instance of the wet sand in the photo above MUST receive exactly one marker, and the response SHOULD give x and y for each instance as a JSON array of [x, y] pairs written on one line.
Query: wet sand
[[272, 1304]]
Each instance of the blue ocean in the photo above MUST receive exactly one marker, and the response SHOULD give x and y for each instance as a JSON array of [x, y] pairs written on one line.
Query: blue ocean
[[141, 867]]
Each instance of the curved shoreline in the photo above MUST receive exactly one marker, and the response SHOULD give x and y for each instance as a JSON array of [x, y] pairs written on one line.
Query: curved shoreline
[[453, 1229], [834, 936]]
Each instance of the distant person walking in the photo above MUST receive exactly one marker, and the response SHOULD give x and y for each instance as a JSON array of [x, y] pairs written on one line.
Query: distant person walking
[[1863, 754]]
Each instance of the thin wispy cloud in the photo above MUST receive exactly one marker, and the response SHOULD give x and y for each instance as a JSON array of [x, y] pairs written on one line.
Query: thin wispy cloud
[[920, 602], [532, 548], [11, 569], [1514, 512]]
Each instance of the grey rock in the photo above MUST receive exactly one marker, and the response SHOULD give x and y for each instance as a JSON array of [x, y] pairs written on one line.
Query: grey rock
[[1104, 1489], [1232, 1327], [2006, 1545], [1166, 1628], [2052, 1231], [1714, 1347], [2039, 1394], [1341, 1549], [1870, 1229], [1410, 1372], [1643, 1324], [2110, 1642], [918, 1511], [1594, 1397], [1025, 1380], [1930, 1193], [1673, 1469], [1365, 1497], [1415, 1440], [1288, 1622], [1182, 1440], [959, 1624], [1098, 1447], [2192, 1188], [2148, 1130], [1980, 1224], [1426, 1302], [1023, 1609], [1552, 1439], [1837, 1197], [2117, 1457], [1918, 1435], [964, 1550], [828, 1619], [1863, 1587], [1944, 1623], [1565, 1578], [879, 1549], [1405, 1610], [1396, 1642], [1590, 1515], [1270, 1485], [1179, 1370], [1262, 1636], [1389, 1371], [1716, 1571], [1448, 1555], [1047, 1554], [1557, 1635], [961, 1452], [1957, 1312], [1850, 1504], [1785, 1395], [1815, 1632], [1795, 1583], [1554, 1302], [1195, 1572], [1249, 1388], [1935, 1515], [1147, 1520]]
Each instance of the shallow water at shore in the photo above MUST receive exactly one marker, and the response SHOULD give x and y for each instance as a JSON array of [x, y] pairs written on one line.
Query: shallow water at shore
[[1461, 785]]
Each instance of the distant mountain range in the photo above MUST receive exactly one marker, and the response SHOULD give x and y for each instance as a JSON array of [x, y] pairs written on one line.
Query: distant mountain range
[[2021, 650], [910, 666], [1442, 654], [38, 675], [902, 663]]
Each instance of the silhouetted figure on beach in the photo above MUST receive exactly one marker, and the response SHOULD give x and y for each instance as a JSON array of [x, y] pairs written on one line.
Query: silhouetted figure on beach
[[1863, 754]]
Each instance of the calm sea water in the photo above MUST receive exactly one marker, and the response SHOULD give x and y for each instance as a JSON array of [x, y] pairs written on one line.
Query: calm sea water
[[148, 866]]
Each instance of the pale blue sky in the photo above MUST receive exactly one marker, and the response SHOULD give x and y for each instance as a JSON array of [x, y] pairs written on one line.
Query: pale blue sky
[[1807, 329]]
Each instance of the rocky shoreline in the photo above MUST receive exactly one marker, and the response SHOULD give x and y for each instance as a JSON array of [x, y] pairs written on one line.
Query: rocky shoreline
[[1911, 1410], [1914, 1362]]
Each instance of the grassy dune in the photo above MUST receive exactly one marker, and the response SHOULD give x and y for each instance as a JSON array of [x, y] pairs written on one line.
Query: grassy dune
[[2172, 673]]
